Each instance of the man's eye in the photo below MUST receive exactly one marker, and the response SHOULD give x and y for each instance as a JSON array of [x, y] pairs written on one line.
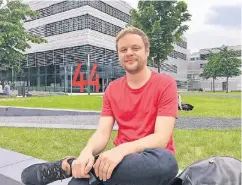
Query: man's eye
[[123, 50]]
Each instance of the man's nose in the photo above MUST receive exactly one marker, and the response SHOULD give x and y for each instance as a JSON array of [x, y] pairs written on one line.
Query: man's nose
[[129, 51]]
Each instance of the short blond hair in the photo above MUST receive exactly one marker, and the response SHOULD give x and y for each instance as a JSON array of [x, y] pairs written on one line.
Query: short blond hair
[[133, 30]]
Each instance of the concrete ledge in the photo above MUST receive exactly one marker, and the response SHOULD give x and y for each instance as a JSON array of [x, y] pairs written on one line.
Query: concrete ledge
[[28, 111], [8, 181], [12, 165]]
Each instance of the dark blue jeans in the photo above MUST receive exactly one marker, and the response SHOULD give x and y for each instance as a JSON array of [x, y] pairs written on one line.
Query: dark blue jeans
[[151, 167]]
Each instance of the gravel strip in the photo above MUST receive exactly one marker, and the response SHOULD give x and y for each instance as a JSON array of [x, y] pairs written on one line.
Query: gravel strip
[[91, 121]]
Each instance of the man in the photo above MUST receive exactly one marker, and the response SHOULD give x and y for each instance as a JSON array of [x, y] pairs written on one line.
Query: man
[[144, 104]]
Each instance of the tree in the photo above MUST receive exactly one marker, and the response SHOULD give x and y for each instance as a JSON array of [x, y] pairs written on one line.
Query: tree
[[163, 22], [14, 39], [229, 65], [212, 68]]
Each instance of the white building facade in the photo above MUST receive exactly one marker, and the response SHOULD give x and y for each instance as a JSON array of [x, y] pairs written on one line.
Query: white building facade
[[196, 66], [177, 64]]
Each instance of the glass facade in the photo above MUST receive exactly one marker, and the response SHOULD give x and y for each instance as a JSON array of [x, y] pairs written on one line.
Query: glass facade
[[53, 70]]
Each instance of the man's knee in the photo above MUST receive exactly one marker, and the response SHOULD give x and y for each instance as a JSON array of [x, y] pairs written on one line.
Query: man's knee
[[74, 181], [164, 162]]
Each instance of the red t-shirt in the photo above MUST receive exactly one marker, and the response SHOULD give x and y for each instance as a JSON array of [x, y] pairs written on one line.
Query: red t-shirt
[[135, 110]]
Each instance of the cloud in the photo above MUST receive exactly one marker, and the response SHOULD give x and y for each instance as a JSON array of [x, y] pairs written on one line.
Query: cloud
[[213, 23], [225, 16], [211, 38]]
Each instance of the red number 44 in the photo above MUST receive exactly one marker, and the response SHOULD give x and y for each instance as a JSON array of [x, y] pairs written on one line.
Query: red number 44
[[82, 83]]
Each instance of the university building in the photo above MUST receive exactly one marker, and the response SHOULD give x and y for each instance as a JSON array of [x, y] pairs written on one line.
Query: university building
[[196, 66], [81, 32]]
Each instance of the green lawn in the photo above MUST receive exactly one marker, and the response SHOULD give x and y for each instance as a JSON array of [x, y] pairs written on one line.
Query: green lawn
[[53, 144], [209, 92], [204, 106], [66, 102], [213, 107]]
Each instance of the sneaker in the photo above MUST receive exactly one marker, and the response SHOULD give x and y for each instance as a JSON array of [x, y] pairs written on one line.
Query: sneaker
[[45, 173]]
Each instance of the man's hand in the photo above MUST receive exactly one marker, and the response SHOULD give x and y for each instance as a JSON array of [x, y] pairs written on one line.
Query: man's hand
[[107, 162], [82, 165]]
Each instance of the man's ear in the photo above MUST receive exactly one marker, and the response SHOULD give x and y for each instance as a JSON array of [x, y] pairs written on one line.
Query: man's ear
[[147, 52]]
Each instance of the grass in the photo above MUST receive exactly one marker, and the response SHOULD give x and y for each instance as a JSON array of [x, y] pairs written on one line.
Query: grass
[[213, 107], [204, 106], [53, 144], [209, 92], [65, 102]]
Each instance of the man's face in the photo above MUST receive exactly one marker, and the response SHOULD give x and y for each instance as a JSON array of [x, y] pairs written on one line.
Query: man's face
[[132, 53]]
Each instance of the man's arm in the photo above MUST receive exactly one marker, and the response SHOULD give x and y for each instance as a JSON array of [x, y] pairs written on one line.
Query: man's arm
[[163, 130], [100, 138], [108, 160]]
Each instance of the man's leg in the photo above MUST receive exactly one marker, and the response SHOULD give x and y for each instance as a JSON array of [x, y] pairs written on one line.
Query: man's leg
[[45, 173], [151, 167], [74, 181]]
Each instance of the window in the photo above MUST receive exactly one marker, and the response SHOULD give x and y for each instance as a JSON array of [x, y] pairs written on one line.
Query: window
[[52, 29], [31, 60], [75, 23], [58, 56], [70, 25], [99, 25], [169, 67], [189, 76], [49, 57], [40, 59]]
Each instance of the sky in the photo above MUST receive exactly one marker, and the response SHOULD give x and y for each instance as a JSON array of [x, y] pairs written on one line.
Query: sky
[[213, 23]]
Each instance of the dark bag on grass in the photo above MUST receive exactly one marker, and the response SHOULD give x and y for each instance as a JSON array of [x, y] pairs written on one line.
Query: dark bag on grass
[[211, 171], [187, 107]]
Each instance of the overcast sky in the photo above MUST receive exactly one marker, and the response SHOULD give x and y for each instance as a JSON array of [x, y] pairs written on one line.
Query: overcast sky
[[213, 23]]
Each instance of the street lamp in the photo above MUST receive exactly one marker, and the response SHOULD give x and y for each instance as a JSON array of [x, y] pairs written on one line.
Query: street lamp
[[88, 72]]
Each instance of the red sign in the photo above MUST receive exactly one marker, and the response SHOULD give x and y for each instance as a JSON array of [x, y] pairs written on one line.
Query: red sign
[[84, 83]]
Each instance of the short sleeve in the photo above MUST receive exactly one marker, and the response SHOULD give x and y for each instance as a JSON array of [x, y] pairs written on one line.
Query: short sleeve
[[106, 105], [168, 102]]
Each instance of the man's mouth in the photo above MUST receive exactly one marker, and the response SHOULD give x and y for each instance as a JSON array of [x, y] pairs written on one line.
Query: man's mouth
[[131, 60]]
